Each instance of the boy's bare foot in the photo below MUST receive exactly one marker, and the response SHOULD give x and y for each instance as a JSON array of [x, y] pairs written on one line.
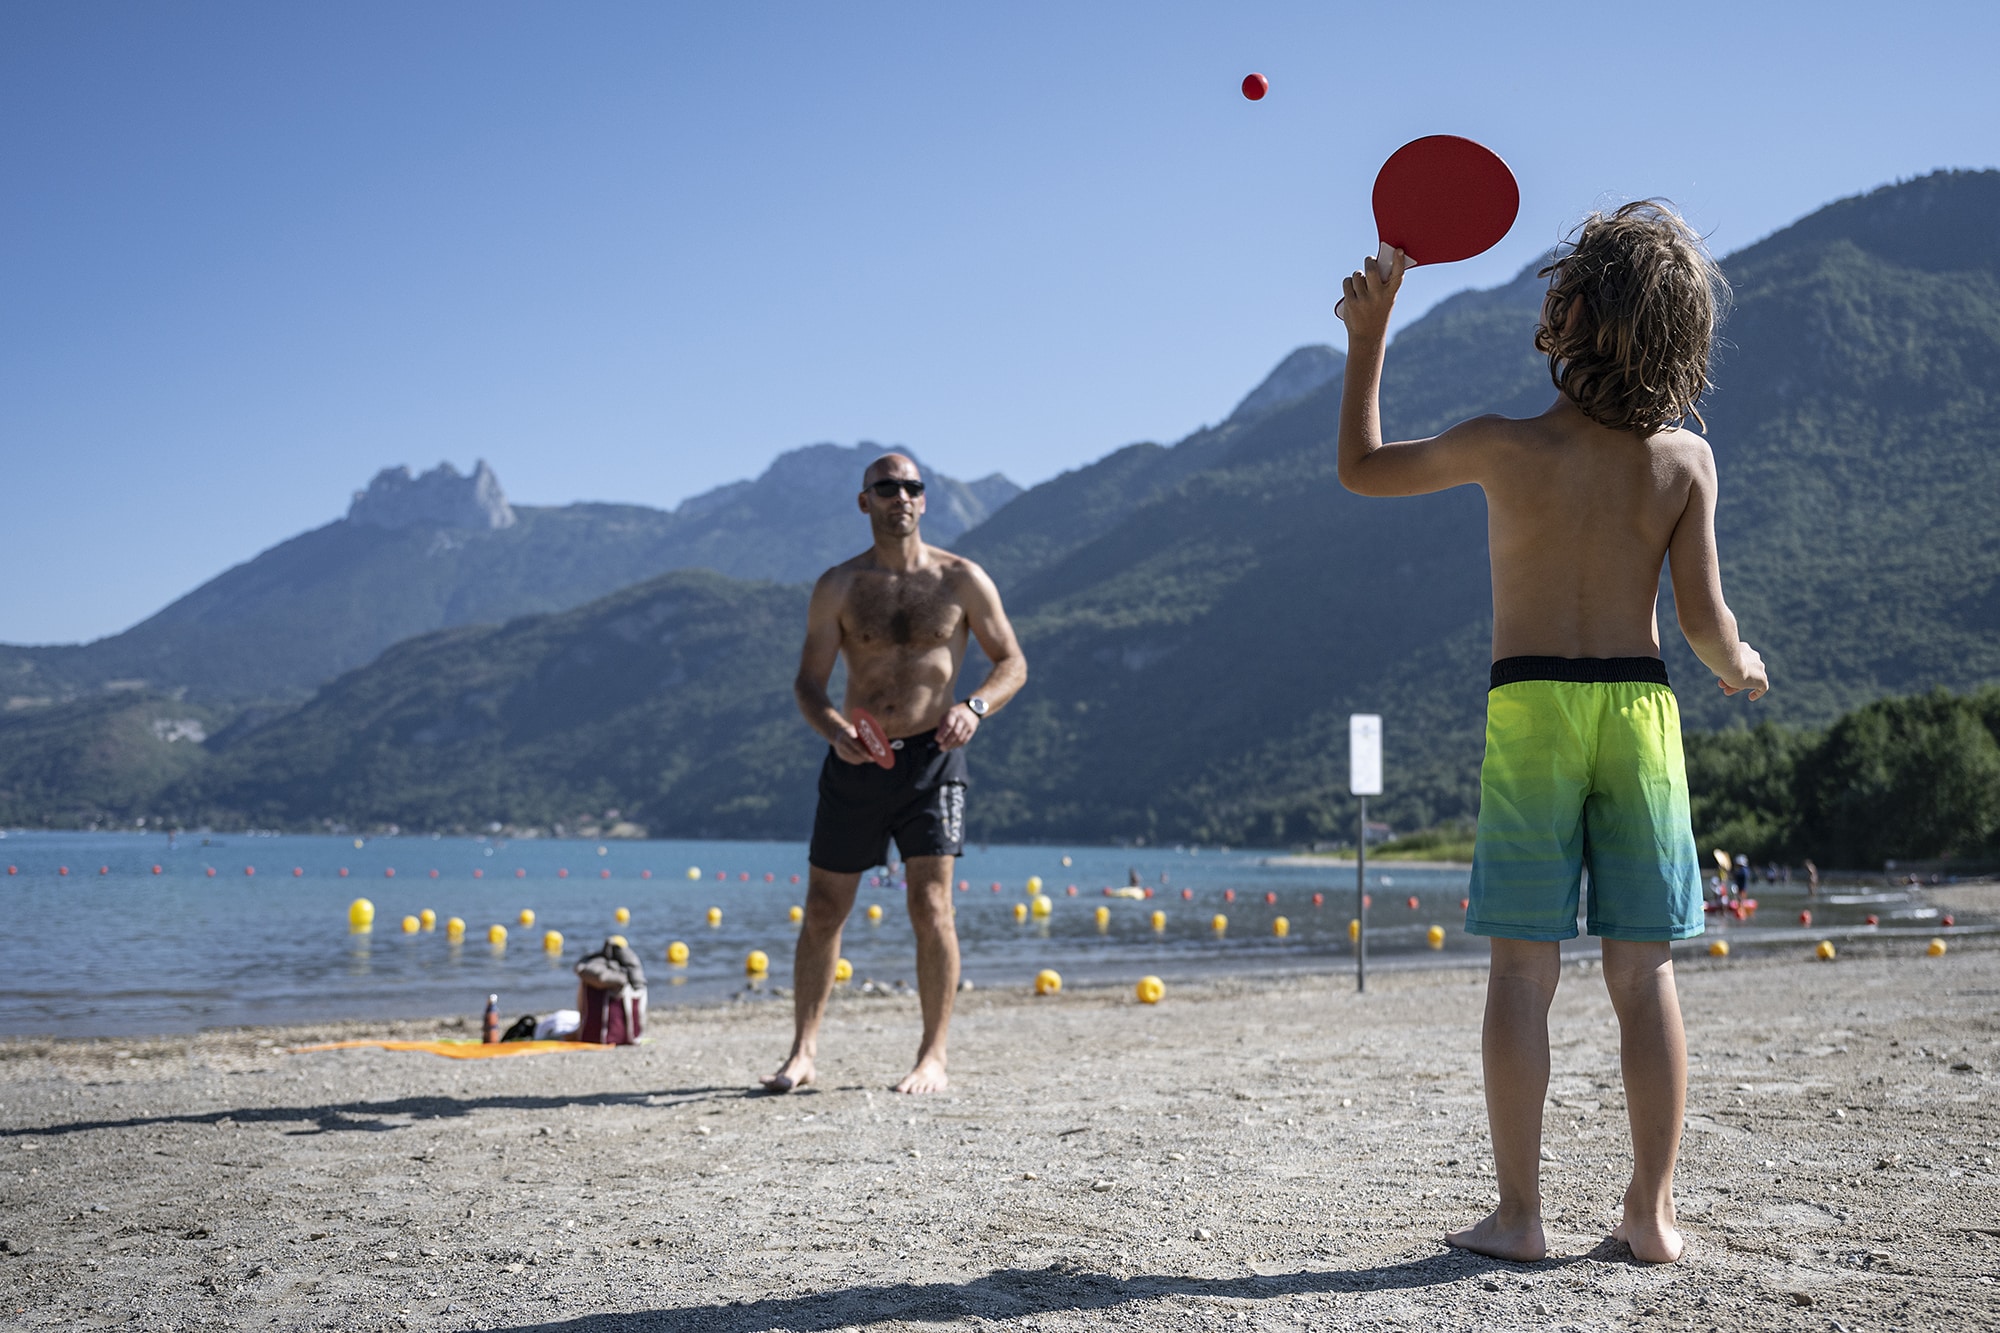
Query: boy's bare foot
[[1650, 1240], [1521, 1242], [796, 1072], [928, 1076]]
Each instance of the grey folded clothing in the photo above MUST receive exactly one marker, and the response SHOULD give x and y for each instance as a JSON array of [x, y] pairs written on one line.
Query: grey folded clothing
[[614, 967]]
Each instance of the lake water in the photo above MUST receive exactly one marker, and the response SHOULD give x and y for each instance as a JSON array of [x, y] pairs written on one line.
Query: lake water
[[112, 947]]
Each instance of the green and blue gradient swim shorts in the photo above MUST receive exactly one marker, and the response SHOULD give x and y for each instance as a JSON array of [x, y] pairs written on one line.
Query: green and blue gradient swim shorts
[[1583, 769]]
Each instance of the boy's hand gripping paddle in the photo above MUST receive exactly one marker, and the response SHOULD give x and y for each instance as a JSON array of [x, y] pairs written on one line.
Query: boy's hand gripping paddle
[[1440, 199], [873, 738]]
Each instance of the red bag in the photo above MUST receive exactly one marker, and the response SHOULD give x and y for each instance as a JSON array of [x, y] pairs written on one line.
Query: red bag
[[611, 1017]]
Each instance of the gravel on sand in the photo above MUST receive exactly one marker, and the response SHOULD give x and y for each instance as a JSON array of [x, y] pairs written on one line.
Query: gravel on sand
[[1258, 1154]]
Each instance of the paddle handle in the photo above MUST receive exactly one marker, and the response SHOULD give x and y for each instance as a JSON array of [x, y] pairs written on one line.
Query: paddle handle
[[1385, 259]]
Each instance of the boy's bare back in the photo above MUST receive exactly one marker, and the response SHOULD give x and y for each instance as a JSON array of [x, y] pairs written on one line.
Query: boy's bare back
[[1579, 515]]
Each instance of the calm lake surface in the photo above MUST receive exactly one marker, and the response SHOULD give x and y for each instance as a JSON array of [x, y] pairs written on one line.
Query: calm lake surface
[[112, 947]]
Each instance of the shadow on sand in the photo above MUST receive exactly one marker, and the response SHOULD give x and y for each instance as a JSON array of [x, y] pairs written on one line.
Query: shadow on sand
[[1013, 1293], [372, 1116]]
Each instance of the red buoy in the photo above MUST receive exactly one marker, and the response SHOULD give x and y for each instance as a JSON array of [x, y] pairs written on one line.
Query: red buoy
[[1805, 918], [389, 872], [343, 872], [520, 874], [10, 870], [1413, 902], [479, 874], [1945, 920], [1270, 898], [647, 874], [770, 878], [434, 874], [1187, 895], [1229, 895], [298, 872], [249, 870], [1255, 86], [1318, 899], [604, 874], [1873, 920], [562, 874]]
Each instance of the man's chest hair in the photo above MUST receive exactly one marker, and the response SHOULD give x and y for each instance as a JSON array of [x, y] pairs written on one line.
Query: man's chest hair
[[915, 608]]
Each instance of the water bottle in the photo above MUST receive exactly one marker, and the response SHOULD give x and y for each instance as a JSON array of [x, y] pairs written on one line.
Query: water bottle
[[490, 1030]]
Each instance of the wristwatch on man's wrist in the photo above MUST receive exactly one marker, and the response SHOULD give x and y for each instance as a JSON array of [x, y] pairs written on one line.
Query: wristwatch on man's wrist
[[978, 707]]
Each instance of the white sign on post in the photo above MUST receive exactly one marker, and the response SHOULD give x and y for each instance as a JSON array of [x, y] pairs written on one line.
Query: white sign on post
[[1364, 754]]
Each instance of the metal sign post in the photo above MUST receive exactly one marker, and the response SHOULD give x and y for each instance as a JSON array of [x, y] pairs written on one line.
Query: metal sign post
[[1364, 779]]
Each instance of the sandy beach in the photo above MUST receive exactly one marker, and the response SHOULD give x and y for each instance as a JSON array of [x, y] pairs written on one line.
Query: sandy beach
[[1249, 1154]]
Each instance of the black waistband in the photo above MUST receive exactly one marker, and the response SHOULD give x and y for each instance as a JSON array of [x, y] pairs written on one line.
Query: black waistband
[[1580, 670]]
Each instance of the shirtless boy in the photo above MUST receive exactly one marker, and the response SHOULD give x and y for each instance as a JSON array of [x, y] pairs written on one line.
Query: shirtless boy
[[1583, 740], [900, 612]]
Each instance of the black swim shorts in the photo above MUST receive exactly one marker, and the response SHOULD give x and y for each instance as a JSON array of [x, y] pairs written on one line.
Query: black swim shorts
[[920, 803]]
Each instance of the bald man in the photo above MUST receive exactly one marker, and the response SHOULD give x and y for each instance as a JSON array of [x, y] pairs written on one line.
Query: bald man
[[900, 613]]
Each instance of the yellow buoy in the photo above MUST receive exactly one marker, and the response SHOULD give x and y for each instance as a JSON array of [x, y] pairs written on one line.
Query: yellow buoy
[[843, 970], [1048, 981], [1150, 989], [428, 918], [758, 963], [797, 914], [1281, 927], [1103, 915], [694, 872], [1718, 948], [1159, 921], [1353, 928], [411, 925], [622, 915], [1436, 937], [874, 911], [552, 941], [1034, 885], [618, 940], [361, 914], [1020, 912], [455, 928], [1218, 923], [1825, 950], [715, 916], [1041, 906], [1935, 949], [496, 934], [677, 954], [527, 916]]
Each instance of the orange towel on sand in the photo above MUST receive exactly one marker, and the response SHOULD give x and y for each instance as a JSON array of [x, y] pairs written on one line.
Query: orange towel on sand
[[463, 1050]]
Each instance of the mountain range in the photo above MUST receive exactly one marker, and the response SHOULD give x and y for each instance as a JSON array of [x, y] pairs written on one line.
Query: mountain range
[[1200, 618], [421, 553]]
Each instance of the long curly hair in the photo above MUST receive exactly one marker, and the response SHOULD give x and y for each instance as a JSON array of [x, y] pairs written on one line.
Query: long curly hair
[[1634, 301]]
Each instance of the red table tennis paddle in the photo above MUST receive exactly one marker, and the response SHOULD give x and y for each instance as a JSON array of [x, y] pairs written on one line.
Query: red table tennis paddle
[[1440, 199], [873, 738]]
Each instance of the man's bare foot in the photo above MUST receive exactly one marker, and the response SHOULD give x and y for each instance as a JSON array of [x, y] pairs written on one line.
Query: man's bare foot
[[796, 1072], [1650, 1240], [1521, 1242], [928, 1076]]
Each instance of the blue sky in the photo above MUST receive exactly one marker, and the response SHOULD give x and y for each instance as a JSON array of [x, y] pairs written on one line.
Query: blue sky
[[252, 253]]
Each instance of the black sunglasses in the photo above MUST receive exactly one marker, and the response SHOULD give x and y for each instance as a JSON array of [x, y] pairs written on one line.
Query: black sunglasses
[[888, 487]]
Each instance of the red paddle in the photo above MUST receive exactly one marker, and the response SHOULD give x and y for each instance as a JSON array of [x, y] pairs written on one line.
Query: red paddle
[[1440, 199], [873, 738]]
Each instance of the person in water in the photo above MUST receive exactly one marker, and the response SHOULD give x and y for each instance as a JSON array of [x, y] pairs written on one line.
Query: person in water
[[1583, 740], [900, 613]]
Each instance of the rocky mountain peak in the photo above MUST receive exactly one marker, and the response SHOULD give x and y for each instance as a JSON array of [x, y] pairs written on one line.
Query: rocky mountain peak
[[1305, 370], [439, 498]]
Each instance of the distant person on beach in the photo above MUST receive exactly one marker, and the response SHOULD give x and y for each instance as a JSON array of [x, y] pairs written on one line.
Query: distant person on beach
[[1583, 736], [1812, 879], [900, 613]]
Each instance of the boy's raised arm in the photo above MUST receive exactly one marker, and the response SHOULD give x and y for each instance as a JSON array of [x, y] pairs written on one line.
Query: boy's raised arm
[[1367, 465], [1706, 620]]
